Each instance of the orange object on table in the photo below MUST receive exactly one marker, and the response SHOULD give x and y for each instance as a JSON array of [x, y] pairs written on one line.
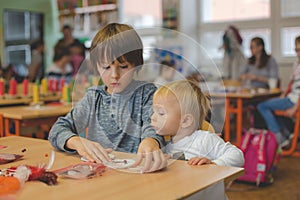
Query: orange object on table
[[9, 185]]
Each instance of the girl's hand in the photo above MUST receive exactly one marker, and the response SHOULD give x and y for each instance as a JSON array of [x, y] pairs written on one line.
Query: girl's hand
[[92, 151], [154, 157], [252, 77], [199, 161], [243, 77]]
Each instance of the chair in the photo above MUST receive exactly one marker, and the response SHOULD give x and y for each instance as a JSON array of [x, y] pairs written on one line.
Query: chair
[[206, 126], [232, 83], [292, 150]]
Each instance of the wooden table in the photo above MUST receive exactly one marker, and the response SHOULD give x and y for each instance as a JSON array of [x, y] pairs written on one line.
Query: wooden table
[[235, 104], [30, 116], [5, 102], [178, 181], [28, 100]]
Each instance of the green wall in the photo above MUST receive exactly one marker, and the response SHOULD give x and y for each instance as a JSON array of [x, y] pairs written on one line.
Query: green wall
[[51, 24]]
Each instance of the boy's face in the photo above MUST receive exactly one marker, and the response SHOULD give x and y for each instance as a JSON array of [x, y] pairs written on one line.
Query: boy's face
[[297, 50], [116, 76], [166, 117]]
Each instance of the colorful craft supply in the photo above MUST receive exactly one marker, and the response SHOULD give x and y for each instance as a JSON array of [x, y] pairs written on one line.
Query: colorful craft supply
[[36, 92], [9, 185], [62, 84], [66, 94], [1, 87], [13, 87], [44, 88], [55, 85], [25, 87], [50, 85]]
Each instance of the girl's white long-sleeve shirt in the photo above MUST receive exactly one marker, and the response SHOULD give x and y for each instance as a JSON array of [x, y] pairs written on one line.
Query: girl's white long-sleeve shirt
[[209, 145]]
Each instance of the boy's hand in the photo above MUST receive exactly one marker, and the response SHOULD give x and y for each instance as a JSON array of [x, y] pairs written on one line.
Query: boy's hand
[[92, 151], [154, 157], [199, 161]]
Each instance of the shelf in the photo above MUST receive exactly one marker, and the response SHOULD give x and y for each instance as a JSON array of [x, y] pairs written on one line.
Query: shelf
[[90, 9]]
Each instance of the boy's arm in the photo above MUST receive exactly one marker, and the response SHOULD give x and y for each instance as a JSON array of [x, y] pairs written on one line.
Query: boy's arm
[[147, 129], [71, 125], [149, 148]]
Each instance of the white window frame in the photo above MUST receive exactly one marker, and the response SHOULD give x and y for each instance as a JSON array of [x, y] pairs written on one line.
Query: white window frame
[[275, 23]]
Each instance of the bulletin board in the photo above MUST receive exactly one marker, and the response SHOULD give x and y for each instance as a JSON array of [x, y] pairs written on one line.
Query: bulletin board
[[172, 53]]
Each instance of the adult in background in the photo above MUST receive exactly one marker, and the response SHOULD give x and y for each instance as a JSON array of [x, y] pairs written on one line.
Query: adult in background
[[234, 58], [260, 67], [36, 68], [76, 48]]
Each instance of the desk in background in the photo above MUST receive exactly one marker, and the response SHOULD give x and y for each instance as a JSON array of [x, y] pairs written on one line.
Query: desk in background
[[178, 181], [30, 116], [235, 104], [28, 100]]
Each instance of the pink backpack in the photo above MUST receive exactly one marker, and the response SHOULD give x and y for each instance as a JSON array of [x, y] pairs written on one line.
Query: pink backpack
[[261, 154]]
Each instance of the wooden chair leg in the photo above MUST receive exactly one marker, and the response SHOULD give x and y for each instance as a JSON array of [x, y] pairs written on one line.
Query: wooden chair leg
[[1, 126], [292, 150]]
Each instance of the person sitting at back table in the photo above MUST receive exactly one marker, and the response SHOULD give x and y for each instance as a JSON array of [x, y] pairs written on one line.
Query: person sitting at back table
[[77, 57], [61, 67], [179, 110], [76, 48], [260, 67], [68, 39], [166, 73], [36, 68], [287, 101]]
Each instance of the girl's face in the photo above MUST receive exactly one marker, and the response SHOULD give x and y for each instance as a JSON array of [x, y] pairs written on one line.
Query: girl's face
[[297, 50], [116, 76], [166, 115], [255, 49]]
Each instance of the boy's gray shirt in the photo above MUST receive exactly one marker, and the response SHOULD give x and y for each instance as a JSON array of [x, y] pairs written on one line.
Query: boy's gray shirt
[[118, 121]]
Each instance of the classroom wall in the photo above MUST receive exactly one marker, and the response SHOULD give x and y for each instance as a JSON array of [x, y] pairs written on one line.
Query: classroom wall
[[51, 26]]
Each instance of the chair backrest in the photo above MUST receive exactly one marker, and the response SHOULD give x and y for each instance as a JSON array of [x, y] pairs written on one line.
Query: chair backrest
[[232, 83], [206, 126], [292, 149]]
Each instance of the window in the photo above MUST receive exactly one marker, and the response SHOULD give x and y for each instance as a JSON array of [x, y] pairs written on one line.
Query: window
[[232, 10], [212, 42], [17, 25], [290, 8], [18, 54], [288, 36], [277, 22], [142, 14]]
